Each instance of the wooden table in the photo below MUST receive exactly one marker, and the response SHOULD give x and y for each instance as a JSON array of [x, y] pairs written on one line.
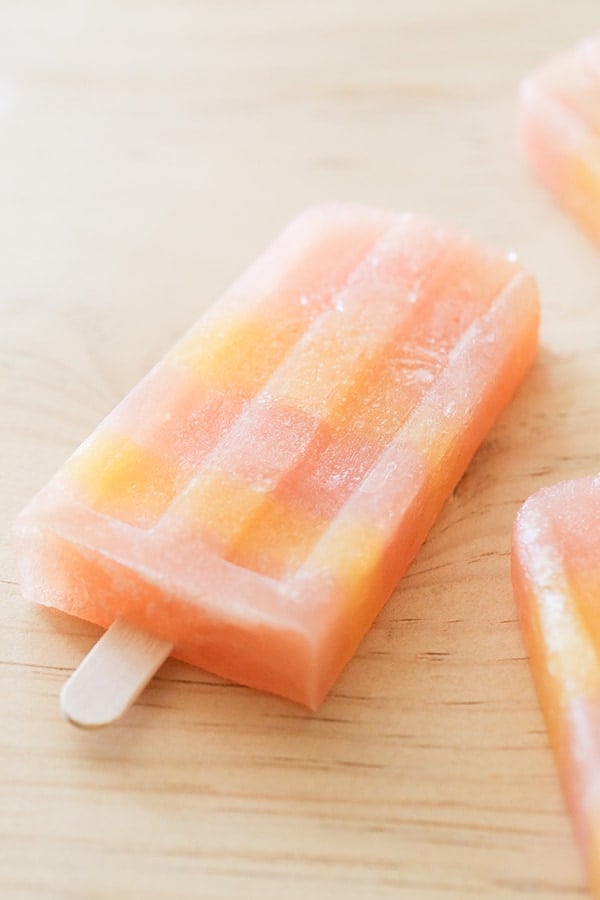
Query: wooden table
[[147, 153]]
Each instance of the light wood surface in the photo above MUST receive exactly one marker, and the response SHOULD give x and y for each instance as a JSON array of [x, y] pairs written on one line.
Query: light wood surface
[[148, 151]]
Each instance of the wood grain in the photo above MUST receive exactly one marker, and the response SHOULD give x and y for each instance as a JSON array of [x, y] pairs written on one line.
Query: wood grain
[[148, 152]]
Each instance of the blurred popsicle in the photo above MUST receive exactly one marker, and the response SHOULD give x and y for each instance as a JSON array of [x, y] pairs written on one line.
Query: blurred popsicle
[[556, 577], [560, 129]]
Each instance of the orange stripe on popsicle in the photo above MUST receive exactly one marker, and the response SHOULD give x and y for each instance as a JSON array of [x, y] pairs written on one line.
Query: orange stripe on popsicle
[[118, 477]]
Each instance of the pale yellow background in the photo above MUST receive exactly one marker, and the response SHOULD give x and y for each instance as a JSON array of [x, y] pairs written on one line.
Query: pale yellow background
[[148, 151]]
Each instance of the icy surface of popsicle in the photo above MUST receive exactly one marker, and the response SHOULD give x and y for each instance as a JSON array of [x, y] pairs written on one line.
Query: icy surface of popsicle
[[560, 128], [258, 495], [556, 577]]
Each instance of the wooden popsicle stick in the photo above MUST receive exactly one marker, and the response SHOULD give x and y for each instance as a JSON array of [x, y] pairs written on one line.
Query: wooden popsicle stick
[[112, 675]]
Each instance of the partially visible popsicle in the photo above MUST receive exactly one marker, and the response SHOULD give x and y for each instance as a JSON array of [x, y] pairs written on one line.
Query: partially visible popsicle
[[560, 128], [556, 578], [256, 498]]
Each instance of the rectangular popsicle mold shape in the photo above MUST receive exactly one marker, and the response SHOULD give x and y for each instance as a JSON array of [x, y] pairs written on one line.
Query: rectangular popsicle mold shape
[[256, 498], [560, 129]]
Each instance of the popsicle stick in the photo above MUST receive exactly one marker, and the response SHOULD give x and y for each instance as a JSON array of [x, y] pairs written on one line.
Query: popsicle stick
[[112, 675]]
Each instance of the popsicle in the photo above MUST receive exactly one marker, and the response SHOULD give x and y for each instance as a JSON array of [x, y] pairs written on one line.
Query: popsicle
[[560, 128], [255, 499], [556, 577]]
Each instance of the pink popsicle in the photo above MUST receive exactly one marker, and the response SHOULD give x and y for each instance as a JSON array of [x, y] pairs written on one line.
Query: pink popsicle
[[257, 497]]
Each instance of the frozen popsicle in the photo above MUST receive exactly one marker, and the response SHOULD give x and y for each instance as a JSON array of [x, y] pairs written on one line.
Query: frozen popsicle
[[256, 498], [560, 128], [556, 577]]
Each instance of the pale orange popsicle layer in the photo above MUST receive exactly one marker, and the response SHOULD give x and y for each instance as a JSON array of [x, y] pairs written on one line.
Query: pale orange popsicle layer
[[560, 128], [556, 577], [257, 497]]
